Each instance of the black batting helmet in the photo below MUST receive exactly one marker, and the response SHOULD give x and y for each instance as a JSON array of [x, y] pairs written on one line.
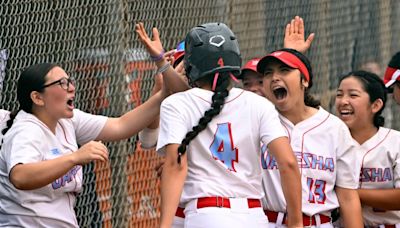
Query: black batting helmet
[[211, 48]]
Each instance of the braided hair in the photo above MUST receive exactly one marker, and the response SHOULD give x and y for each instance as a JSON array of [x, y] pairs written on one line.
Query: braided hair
[[218, 100]]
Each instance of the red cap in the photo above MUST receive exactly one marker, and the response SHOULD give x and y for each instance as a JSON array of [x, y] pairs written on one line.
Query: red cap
[[391, 76], [287, 58], [250, 65], [178, 57]]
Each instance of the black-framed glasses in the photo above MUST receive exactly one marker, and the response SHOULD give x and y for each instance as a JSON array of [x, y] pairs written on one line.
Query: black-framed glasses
[[63, 82]]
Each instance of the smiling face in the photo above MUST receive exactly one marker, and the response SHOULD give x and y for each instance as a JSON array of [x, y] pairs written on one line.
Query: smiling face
[[284, 86], [253, 82], [353, 104], [57, 101]]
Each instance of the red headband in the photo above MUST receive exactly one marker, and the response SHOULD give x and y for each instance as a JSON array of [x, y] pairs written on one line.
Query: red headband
[[287, 58]]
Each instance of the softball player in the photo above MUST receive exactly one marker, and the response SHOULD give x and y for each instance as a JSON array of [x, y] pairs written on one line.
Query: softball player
[[223, 184], [392, 77], [252, 80], [321, 143], [40, 163], [360, 100]]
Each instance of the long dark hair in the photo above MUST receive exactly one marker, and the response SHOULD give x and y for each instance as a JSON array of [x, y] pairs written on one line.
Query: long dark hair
[[218, 100], [32, 79], [373, 85]]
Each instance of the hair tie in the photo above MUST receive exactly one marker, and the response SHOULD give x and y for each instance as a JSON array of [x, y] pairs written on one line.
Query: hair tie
[[233, 77], [215, 81]]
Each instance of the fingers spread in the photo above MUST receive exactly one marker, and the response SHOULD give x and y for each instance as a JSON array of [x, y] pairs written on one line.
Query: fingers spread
[[296, 25], [287, 30], [301, 26], [156, 35], [292, 26], [310, 39]]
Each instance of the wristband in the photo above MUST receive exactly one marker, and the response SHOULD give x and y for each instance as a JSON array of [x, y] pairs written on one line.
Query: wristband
[[163, 68], [159, 57]]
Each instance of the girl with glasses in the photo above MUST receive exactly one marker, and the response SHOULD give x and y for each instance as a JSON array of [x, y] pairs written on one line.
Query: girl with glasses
[[40, 160]]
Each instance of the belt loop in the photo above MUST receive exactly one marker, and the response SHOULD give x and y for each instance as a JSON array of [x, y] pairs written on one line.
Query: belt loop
[[280, 219], [317, 220], [220, 201]]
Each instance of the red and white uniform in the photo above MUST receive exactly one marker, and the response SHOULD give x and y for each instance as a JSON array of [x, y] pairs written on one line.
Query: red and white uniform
[[224, 159], [325, 153], [380, 169], [29, 141]]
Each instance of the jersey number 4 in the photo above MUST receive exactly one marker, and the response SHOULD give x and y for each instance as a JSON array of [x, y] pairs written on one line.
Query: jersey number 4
[[317, 191], [222, 148]]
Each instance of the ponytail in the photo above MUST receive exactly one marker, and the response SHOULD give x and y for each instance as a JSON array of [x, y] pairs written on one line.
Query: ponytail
[[9, 124]]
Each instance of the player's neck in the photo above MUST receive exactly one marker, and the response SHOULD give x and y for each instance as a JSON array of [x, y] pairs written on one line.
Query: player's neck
[[299, 114], [363, 133]]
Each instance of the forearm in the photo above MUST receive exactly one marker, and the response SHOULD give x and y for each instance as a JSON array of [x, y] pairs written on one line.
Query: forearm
[[172, 180], [385, 199], [172, 80], [155, 123], [133, 121], [290, 179], [291, 186], [350, 208], [36, 175]]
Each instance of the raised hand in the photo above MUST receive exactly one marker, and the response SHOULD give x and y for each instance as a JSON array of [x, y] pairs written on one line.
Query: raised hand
[[91, 151], [294, 36], [154, 45]]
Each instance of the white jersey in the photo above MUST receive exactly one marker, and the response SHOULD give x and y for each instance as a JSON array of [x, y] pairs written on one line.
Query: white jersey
[[28, 141], [325, 153], [4, 116], [224, 159], [380, 169], [148, 138]]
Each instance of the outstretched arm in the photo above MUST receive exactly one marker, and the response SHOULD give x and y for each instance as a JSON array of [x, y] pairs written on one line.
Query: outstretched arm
[[148, 136], [295, 36], [133, 121], [154, 46]]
